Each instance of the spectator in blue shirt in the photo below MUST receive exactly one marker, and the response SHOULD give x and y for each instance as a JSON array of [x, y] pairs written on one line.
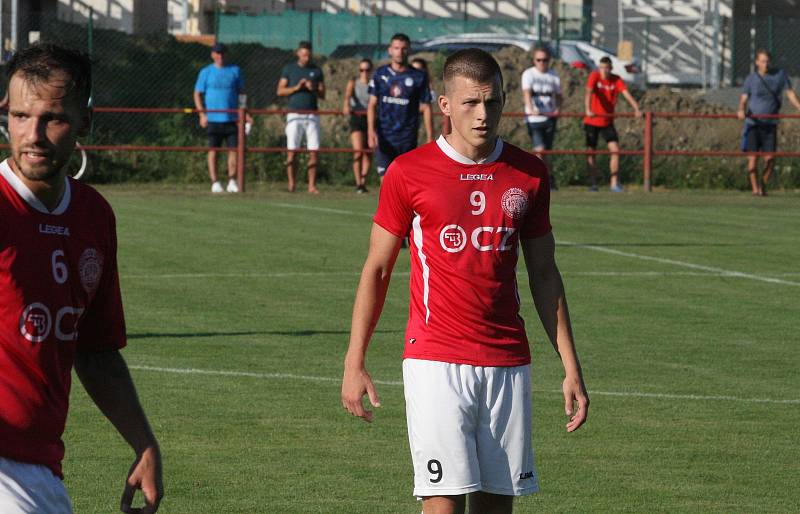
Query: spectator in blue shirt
[[762, 94], [220, 86], [398, 93]]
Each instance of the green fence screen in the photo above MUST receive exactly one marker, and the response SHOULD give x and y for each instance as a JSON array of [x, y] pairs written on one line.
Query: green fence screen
[[326, 31]]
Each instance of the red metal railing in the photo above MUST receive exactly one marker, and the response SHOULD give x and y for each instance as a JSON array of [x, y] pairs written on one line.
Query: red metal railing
[[648, 152]]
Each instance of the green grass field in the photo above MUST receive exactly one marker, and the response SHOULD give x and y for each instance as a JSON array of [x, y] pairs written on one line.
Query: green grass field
[[684, 305]]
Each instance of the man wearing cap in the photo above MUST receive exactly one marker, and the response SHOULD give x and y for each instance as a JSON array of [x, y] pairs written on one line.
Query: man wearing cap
[[220, 86]]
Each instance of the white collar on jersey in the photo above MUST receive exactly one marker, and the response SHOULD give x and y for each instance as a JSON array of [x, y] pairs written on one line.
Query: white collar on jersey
[[30, 198], [453, 154]]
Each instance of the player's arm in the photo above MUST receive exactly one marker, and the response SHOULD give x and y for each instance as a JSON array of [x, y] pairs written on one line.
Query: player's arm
[[527, 99], [372, 114], [792, 96], [285, 90], [740, 112], [348, 94], [427, 119], [587, 101], [383, 249], [632, 102], [321, 90], [551, 304], [108, 382], [199, 105]]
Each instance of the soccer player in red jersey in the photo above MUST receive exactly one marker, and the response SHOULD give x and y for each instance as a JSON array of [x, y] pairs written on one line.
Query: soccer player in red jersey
[[60, 302], [602, 91], [468, 201]]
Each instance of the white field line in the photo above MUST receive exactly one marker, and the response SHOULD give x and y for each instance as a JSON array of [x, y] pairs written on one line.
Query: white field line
[[710, 269], [311, 378], [662, 260], [291, 274]]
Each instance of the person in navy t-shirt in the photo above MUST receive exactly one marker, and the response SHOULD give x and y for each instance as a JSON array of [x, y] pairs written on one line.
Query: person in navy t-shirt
[[398, 93], [220, 86]]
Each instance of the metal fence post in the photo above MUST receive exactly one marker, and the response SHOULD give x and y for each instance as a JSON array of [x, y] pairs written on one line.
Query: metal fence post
[[646, 49], [770, 40], [241, 147], [90, 48], [647, 163]]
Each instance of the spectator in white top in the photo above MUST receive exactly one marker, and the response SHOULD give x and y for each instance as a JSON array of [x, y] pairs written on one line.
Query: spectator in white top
[[541, 93]]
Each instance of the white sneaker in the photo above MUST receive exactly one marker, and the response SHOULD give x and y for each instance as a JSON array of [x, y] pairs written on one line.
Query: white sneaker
[[233, 187], [216, 187]]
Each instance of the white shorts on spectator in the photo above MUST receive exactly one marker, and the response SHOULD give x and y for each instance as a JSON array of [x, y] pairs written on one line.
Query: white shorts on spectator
[[31, 489], [299, 126], [469, 428]]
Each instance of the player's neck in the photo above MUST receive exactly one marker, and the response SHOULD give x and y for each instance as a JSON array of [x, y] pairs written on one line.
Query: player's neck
[[399, 67], [474, 153], [49, 191]]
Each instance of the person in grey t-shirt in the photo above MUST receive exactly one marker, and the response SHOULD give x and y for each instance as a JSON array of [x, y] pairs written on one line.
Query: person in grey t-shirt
[[356, 99], [761, 94]]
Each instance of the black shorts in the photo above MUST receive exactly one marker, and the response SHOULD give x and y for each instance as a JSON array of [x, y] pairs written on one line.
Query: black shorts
[[387, 152], [593, 133], [219, 132], [761, 137], [358, 123]]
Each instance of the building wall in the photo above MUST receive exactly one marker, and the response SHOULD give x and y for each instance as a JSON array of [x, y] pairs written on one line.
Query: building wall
[[668, 48], [131, 16]]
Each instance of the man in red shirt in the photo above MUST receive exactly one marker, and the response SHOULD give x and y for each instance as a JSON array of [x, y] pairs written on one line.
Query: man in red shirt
[[601, 95], [468, 201], [60, 302]]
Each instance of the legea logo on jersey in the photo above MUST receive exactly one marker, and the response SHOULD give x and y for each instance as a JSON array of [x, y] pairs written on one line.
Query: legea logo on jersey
[[453, 238], [515, 203], [36, 323]]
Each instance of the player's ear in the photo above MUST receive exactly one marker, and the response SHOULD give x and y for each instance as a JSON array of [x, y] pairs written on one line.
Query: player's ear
[[444, 105]]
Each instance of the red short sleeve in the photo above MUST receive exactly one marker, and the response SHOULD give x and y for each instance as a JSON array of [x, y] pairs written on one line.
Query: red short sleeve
[[103, 326], [537, 220], [621, 86], [394, 207]]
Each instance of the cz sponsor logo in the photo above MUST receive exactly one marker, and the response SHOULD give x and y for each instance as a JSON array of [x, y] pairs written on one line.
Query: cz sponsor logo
[[36, 323], [453, 238]]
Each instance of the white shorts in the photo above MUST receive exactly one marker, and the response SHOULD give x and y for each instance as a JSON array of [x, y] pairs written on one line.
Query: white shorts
[[31, 489], [469, 428], [300, 125]]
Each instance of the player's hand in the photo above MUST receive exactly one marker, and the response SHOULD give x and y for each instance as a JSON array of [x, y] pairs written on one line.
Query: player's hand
[[145, 474], [637, 113], [203, 120], [355, 385], [740, 114], [556, 113], [589, 113], [372, 139], [346, 110], [575, 392]]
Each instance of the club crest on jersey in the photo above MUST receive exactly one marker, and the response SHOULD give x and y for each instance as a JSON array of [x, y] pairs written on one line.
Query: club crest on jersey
[[409, 82], [453, 238], [90, 268], [515, 203]]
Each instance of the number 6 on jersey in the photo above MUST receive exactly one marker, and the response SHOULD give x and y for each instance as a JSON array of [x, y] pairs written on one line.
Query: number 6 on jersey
[[60, 272]]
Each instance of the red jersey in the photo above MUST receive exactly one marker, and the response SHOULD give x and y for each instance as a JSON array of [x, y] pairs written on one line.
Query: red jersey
[[604, 97], [465, 221], [59, 292]]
